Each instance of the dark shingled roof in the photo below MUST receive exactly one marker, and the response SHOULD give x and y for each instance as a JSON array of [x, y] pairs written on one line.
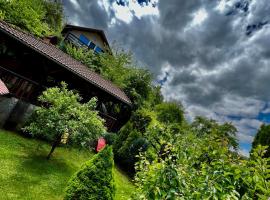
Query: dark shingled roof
[[63, 59]]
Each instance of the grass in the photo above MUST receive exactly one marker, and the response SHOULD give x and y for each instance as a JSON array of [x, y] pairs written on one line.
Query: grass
[[124, 188], [25, 173]]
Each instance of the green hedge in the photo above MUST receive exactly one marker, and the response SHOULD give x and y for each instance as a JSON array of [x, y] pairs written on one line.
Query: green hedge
[[94, 180]]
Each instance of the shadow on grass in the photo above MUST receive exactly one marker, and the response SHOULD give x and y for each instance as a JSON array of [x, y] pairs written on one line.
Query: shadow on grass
[[35, 174], [39, 165], [35, 168]]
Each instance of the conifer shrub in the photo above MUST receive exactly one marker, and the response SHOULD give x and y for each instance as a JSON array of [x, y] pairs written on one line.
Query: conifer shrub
[[94, 180]]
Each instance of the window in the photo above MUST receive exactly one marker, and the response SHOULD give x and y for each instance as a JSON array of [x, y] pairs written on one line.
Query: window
[[92, 45], [84, 39], [98, 50]]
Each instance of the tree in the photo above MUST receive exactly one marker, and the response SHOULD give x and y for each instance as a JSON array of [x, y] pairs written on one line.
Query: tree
[[94, 180], [62, 113], [40, 17], [262, 138], [225, 132], [170, 112]]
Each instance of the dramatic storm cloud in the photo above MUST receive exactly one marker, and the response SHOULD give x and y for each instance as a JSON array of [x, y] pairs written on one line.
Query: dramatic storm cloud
[[213, 56]]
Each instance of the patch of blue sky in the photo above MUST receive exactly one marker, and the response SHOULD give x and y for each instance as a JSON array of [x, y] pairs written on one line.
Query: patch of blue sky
[[141, 2], [264, 117], [163, 80], [245, 147]]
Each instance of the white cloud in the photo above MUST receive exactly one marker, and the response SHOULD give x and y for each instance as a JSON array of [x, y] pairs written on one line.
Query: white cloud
[[133, 9], [199, 17], [122, 13], [244, 152], [75, 4], [141, 11]]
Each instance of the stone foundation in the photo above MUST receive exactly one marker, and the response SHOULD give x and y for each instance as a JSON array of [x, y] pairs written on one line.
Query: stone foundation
[[14, 113]]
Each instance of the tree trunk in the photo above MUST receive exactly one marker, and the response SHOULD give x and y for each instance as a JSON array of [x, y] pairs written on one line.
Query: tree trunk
[[54, 145]]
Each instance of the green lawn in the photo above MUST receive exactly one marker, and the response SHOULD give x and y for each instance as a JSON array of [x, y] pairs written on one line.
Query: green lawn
[[26, 174]]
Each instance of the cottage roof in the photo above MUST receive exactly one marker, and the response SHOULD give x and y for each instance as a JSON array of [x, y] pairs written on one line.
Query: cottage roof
[[64, 60]]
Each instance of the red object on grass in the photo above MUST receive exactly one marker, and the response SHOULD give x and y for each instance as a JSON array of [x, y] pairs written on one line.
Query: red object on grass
[[101, 144]]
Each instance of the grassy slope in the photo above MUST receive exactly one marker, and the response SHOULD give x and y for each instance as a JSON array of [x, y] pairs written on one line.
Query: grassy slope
[[26, 174]]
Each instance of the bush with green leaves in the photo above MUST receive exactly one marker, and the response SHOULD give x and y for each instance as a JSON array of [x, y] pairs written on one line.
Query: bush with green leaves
[[110, 138], [202, 168], [170, 112], [126, 155], [39, 17], [147, 128], [226, 132], [132, 139], [61, 113], [94, 180]]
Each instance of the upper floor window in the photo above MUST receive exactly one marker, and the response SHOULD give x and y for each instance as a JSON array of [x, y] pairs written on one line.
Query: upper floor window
[[92, 45], [84, 40], [98, 50]]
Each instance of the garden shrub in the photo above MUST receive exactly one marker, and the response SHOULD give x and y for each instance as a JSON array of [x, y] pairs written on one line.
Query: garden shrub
[[141, 119], [122, 137], [203, 168], [125, 156], [170, 112], [94, 180], [128, 153], [110, 138]]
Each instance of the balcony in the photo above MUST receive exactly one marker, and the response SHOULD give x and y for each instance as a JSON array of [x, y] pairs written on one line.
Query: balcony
[[75, 40], [83, 42]]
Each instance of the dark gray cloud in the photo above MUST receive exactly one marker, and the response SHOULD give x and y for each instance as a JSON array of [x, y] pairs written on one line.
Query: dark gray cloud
[[214, 67], [176, 14], [87, 13]]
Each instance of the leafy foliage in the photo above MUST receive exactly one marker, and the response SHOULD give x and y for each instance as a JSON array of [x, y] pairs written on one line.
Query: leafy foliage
[[170, 112], [119, 67], [85, 56], [202, 168], [40, 17], [61, 113], [148, 129], [226, 132], [110, 138], [263, 138], [94, 180]]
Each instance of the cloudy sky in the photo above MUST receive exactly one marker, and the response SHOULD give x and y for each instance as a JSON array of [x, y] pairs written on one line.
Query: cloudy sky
[[212, 55]]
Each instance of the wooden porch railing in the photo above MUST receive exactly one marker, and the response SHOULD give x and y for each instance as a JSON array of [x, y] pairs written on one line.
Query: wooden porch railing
[[110, 122], [19, 86], [75, 40]]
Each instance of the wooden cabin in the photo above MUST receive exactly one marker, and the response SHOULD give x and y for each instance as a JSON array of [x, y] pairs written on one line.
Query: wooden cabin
[[90, 38], [29, 65]]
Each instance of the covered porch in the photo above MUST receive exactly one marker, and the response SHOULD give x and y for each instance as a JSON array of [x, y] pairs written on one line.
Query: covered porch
[[28, 68]]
